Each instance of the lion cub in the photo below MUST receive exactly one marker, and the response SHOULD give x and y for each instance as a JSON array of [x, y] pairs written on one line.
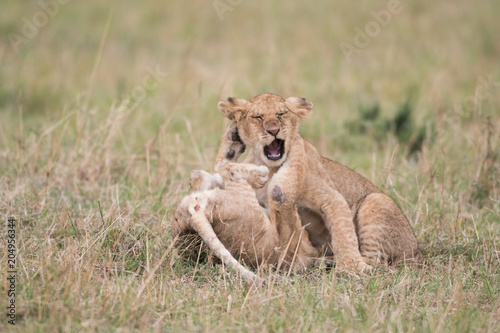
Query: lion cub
[[223, 209], [340, 209]]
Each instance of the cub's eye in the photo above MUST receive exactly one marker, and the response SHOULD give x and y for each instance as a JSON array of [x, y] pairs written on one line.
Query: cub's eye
[[280, 114], [257, 117]]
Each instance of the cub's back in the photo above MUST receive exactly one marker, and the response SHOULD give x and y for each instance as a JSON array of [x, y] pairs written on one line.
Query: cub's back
[[349, 183]]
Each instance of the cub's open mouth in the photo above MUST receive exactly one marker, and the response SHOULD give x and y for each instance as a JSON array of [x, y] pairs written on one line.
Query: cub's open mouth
[[275, 150]]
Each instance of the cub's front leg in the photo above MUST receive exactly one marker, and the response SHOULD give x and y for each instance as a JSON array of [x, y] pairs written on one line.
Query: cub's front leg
[[339, 221], [283, 193], [319, 195]]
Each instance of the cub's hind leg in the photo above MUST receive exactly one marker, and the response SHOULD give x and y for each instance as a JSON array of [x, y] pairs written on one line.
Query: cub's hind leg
[[384, 233]]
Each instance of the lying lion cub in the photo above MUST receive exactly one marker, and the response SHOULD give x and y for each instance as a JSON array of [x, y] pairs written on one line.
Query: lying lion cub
[[343, 212], [224, 211]]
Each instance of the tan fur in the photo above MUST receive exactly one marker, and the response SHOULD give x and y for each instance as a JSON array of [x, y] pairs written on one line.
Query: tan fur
[[342, 211], [223, 209]]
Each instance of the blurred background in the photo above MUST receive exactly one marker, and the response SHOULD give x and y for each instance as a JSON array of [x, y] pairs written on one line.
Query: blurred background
[[380, 74], [106, 107], [66, 55]]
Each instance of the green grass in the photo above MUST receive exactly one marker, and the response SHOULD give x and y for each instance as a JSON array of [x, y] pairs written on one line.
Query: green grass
[[93, 177]]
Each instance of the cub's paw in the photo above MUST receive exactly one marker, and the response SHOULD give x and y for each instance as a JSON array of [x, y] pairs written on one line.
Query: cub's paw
[[233, 133], [255, 175], [354, 265], [203, 181], [236, 147], [258, 176]]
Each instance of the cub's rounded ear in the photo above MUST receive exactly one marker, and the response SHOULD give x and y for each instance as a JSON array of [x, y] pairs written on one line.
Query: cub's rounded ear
[[299, 106], [233, 108]]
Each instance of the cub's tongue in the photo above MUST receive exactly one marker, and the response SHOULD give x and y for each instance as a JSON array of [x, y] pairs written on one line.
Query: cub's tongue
[[274, 149]]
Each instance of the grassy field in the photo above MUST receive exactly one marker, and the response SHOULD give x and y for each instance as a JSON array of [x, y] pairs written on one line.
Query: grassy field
[[106, 107]]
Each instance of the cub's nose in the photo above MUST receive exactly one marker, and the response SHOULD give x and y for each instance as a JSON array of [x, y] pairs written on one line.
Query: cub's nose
[[273, 131]]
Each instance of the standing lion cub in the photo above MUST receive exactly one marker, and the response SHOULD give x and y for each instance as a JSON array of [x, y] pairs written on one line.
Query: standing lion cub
[[260, 208], [344, 214]]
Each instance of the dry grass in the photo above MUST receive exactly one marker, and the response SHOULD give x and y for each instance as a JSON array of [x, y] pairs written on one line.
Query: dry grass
[[95, 153]]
